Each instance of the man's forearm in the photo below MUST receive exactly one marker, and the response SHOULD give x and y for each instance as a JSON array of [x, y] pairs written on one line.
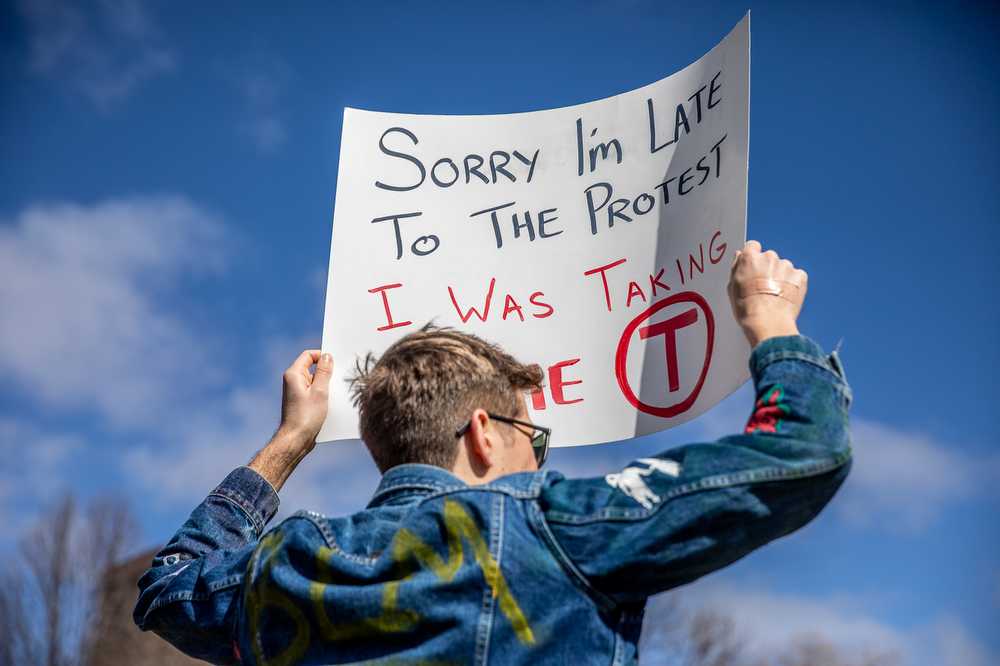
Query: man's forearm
[[276, 461], [757, 331]]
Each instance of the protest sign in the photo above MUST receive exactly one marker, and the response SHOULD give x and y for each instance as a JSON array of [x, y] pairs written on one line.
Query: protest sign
[[594, 240]]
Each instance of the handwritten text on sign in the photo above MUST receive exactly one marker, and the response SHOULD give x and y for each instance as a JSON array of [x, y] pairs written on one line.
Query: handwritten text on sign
[[594, 240]]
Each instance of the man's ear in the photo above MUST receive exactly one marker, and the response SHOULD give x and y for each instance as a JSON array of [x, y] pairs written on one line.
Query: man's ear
[[482, 441]]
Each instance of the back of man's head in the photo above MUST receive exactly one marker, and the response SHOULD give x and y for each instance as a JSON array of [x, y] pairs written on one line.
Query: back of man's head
[[425, 386]]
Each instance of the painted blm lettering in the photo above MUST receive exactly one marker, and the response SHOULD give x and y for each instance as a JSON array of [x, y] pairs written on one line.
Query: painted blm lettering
[[412, 557]]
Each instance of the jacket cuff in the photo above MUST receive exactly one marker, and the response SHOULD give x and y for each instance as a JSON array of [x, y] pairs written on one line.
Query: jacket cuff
[[794, 347], [252, 493]]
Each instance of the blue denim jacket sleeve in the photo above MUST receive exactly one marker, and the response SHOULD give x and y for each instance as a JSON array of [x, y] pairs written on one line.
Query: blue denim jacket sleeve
[[667, 520], [190, 595]]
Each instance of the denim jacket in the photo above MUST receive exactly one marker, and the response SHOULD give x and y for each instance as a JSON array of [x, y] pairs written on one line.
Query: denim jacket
[[531, 568]]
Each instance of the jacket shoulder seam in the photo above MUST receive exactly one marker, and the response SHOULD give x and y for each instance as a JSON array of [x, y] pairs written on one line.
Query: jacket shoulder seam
[[500, 490], [318, 521]]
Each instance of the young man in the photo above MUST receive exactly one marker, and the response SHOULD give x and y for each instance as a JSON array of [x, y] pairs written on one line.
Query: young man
[[467, 553]]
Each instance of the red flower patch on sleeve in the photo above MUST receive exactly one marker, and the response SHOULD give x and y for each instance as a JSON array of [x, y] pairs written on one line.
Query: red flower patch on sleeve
[[770, 411]]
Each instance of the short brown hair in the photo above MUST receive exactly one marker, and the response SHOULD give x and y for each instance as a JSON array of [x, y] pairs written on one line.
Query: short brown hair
[[423, 388]]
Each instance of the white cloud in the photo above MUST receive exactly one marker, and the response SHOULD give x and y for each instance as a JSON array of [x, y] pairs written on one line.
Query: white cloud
[[103, 50], [260, 83], [90, 322], [904, 480], [769, 623], [900, 480], [195, 453], [190, 455], [86, 321], [35, 471], [946, 641], [267, 132]]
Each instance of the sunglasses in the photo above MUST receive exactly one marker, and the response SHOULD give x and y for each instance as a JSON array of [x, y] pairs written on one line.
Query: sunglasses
[[539, 436]]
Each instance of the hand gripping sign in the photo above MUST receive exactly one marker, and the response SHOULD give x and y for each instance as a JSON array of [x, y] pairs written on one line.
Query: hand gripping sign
[[594, 240]]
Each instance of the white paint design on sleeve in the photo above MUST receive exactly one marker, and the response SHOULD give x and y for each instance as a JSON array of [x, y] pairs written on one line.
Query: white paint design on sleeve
[[169, 575], [631, 480]]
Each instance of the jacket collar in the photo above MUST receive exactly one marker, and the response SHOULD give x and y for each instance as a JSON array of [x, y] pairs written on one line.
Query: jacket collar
[[414, 479]]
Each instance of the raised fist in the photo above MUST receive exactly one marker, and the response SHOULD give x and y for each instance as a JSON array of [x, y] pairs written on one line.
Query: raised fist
[[766, 293]]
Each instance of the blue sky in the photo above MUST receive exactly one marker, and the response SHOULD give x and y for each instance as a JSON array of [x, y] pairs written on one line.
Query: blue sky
[[167, 191]]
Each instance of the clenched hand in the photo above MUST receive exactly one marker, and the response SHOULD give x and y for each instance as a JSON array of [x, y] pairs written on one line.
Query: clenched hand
[[766, 293]]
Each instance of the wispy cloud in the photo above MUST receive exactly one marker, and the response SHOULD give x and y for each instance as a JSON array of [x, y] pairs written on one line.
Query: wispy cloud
[[207, 444], [91, 323], [948, 641], [191, 455], [260, 83], [904, 480], [102, 50], [901, 480], [769, 621], [87, 320], [34, 471]]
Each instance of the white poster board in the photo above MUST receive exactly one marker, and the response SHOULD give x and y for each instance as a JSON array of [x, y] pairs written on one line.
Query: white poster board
[[594, 240]]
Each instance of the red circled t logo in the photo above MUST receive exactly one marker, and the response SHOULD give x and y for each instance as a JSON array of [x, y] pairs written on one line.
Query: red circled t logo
[[667, 329]]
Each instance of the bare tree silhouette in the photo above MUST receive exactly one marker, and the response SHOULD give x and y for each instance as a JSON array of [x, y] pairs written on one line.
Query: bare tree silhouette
[[52, 598], [816, 650], [674, 635]]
